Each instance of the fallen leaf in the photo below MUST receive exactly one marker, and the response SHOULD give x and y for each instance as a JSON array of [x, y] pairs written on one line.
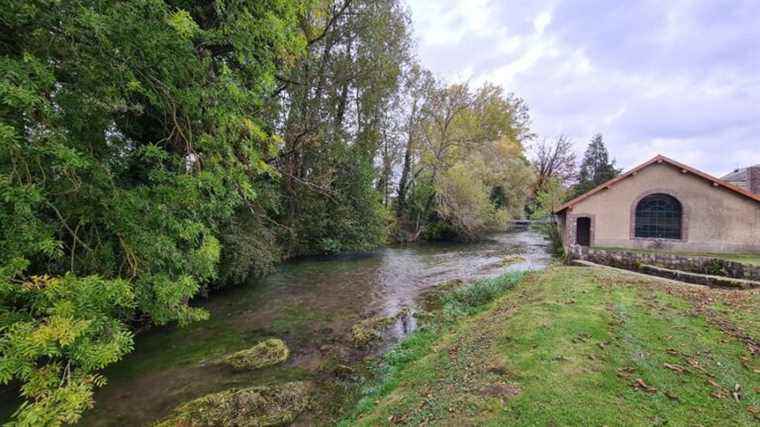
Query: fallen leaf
[[671, 396], [754, 411], [718, 395], [641, 385], [677, 368]]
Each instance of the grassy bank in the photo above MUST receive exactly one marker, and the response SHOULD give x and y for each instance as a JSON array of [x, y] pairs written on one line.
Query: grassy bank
[[583, 347]]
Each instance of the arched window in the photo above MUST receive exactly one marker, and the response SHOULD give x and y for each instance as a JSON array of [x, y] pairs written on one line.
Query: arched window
[[659, 216]]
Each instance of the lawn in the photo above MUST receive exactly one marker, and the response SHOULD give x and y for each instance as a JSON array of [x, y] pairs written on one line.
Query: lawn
[[745, 258], [580, 346]]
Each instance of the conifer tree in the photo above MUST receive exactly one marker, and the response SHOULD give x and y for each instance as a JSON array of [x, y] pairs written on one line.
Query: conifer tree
[[596, 167]]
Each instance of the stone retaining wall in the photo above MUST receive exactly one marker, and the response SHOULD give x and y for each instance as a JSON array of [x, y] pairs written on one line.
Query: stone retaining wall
[[631, 260]]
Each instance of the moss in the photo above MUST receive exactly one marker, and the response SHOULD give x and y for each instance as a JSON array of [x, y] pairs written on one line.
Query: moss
[[370, 330], [264, 354], [253, 406]]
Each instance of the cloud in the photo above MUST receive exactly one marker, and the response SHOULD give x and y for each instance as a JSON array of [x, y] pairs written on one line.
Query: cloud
[[679, 78]]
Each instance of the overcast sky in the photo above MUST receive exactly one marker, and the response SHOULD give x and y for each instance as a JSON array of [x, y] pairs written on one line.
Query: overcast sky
[[676, 77]]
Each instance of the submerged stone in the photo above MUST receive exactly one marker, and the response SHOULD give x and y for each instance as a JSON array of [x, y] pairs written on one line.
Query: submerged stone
[[254, 406], [264, 354], [369, 330]]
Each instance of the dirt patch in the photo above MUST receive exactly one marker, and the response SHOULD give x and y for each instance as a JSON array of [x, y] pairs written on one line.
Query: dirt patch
[[500, 390]]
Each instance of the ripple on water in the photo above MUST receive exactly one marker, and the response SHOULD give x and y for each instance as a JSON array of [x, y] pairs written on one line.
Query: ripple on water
[[311, 304]]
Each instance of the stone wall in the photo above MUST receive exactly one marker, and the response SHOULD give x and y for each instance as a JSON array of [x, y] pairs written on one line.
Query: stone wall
[[631, 260], [753, 176]]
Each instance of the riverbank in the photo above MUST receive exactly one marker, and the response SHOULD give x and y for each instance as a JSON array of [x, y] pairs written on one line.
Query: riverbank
[[312, 305], [576, 346]]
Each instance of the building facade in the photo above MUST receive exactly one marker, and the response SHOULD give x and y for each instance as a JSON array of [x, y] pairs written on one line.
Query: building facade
[[663, 204]]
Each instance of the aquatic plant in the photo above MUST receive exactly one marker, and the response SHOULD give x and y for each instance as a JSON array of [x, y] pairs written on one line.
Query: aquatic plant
[[264, 354], [253, 406]]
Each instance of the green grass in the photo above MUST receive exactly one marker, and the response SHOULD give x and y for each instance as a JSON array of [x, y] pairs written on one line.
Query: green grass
[[565, 347], [745, 258]]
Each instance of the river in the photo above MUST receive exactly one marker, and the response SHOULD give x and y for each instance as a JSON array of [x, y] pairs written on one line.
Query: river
[[311, 304]]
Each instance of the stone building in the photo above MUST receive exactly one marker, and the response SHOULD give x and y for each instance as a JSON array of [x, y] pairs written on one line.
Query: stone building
[[747, 178], [663, 204]]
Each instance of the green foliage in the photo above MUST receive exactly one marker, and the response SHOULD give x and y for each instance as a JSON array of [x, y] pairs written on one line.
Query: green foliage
[[553, 234], [348, 218], [129, 132], [545, 203], [464, 202], [76, 324], [471, 175], [548, 199], [249, 248], [596, 167], [337, 108]]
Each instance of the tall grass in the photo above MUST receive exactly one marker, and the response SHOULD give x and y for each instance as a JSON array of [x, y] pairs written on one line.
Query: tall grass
[[552, 232], [470, 299], [461, 302]]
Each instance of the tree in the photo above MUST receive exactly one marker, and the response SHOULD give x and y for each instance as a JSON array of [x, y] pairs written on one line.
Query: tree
[[596, 167], [467, 173], [418, 84], [336, 116], [554, 160], [130, 132]]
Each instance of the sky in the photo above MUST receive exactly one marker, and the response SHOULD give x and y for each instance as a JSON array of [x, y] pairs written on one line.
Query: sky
[[673, 77]]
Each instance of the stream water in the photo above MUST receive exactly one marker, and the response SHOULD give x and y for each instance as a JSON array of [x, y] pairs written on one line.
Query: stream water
[[311, 304]]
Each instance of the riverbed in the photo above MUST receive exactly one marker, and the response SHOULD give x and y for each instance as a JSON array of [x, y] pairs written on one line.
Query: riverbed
[[311, 304]]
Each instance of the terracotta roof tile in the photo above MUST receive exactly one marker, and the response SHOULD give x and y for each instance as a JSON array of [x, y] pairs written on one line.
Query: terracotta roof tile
[[655, 160]]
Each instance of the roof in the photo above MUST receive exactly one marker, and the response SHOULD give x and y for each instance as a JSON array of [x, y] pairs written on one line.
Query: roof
[[739, 174], [659, 159]]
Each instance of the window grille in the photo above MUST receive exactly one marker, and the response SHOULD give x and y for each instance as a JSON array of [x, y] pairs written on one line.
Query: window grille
[[659, 216]]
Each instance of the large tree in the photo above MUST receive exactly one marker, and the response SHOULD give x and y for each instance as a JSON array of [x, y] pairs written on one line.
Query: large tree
[[467, 173], [337, 120], [129, 132], [596, 167]]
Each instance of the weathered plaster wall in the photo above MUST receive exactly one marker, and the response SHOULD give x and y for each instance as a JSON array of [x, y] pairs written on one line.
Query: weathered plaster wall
[[715, 219]]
